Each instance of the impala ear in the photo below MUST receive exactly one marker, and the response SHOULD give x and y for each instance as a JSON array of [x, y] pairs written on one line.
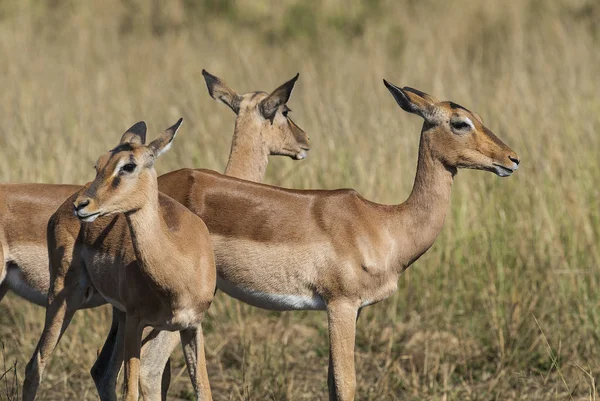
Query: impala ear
[[136, 134], [278, 97], [219, 91], [413, 101], [163, 143]]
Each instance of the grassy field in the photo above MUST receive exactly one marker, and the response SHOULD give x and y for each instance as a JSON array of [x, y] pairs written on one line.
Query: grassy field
[[504, 306]]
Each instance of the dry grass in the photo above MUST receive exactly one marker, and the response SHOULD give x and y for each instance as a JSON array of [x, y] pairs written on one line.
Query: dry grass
[[505, 304]]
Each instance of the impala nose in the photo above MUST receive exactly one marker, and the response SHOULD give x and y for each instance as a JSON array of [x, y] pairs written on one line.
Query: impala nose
[[515, 159], [78, 205]]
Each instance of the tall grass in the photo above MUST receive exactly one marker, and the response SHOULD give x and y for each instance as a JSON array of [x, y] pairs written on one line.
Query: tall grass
[[505, 304]]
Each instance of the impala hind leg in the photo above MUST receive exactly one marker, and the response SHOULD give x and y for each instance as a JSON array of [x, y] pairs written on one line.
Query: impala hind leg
[[341, 379], [155, 377], [105, 371], [192, 341]]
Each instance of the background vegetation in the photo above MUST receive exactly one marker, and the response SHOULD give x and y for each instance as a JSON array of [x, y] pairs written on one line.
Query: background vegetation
[[505, 304]]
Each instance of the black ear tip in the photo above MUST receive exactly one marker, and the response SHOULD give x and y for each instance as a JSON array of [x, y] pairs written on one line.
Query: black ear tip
[[175, 126], [391, 86], [138, 128], [208, 77], [292, 81]]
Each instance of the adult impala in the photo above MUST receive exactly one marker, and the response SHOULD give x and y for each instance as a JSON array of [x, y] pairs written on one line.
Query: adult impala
[[285, 249], [163, 274]]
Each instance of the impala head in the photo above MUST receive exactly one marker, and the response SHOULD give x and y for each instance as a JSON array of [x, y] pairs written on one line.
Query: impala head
[[263, 117], [124, 174], [456, 136]]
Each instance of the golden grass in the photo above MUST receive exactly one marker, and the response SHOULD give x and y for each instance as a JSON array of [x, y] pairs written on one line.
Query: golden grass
[[505, 304]]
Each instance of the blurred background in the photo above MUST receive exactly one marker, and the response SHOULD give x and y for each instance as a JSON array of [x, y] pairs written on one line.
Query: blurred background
[[504, 306]]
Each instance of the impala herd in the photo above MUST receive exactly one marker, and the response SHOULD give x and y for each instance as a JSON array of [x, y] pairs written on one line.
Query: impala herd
[[158, 248]]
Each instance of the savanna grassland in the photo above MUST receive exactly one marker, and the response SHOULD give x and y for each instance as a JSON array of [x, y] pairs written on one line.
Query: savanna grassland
[[504, 306]]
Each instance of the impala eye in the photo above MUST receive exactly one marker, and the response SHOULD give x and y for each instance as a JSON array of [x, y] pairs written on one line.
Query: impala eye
[[460, 125], [286, 111], [128, 168]]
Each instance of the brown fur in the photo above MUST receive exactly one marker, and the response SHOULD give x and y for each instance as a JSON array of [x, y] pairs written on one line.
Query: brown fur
[[254, 140], [24, 213]]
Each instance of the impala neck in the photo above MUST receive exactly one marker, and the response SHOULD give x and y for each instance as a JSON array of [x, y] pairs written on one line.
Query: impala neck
[[421, 217], [248, 158], [148, 232]]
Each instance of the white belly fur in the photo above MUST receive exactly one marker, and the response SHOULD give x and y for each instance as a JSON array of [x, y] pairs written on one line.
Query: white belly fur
[[280, 302], [269, 276]]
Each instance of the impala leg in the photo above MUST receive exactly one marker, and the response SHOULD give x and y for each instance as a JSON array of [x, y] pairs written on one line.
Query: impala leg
[[58, 316], [155, 377], [3, 290], [3, 272], [192, 341], [105, 371], [65, 297], [131, 355], [342, 331], [165, 380]]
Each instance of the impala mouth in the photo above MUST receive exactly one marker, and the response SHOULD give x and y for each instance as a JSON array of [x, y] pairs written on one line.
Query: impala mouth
[[302, 154], [503, 171], [87, 218]]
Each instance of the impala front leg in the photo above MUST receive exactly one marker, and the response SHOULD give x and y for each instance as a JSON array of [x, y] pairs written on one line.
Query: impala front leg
[[65, 297], [341, 316], [131, 354], [192, 341]]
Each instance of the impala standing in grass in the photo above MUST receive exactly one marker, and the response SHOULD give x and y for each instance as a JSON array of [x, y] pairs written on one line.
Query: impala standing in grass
[[163, 274]]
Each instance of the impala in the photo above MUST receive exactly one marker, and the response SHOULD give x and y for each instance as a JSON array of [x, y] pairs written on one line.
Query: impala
[[161, 275], [284, 249], [262, 128]]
